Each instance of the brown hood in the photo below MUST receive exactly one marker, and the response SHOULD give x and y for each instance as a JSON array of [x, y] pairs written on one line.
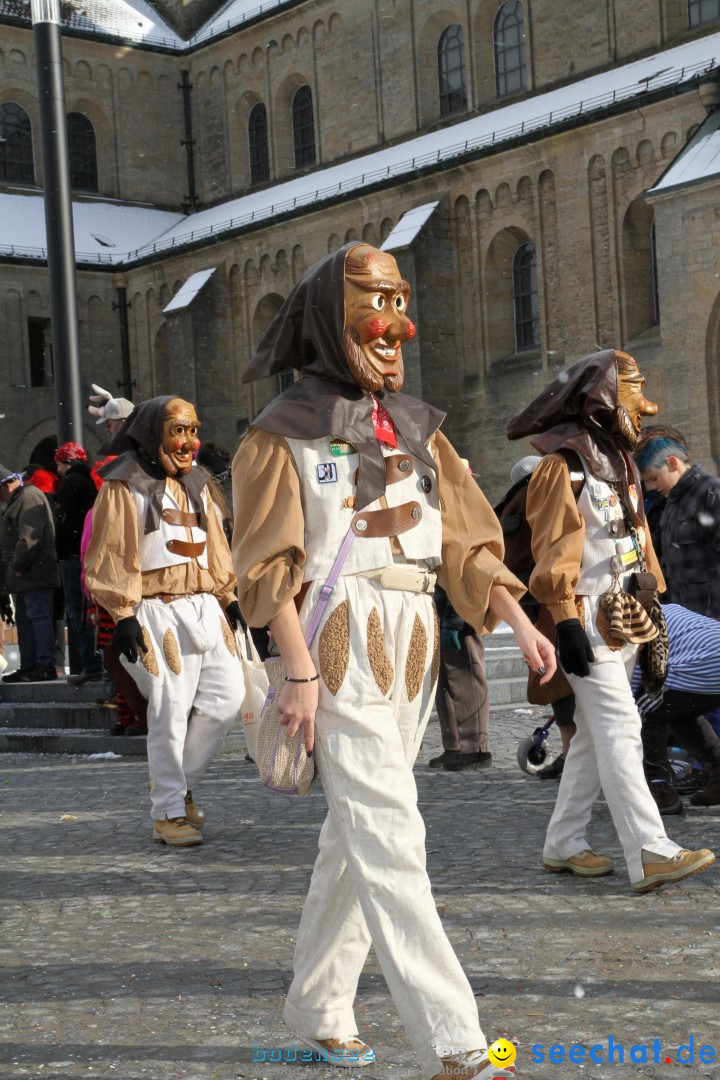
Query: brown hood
[[577, 412], [307, 334]]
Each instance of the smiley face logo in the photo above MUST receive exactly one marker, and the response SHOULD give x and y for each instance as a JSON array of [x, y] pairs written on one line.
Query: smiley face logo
[[502, 1053]]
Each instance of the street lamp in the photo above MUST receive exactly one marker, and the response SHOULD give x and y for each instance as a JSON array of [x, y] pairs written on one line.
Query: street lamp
[[58, 218]]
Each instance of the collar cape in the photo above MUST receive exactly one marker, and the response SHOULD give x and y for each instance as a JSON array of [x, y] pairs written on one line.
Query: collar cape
[[307, 334], [577, 412], [137, 444]]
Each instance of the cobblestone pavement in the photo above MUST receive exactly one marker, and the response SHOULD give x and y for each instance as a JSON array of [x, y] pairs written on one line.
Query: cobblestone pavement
[[127, 959]]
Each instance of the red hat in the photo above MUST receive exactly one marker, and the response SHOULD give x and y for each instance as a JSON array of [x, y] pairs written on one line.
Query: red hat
[[69, 452], [44, 480]]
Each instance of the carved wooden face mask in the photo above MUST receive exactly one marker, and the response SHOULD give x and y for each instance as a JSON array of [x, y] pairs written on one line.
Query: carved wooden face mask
[[375, 321], [180, 437], [632, 403]]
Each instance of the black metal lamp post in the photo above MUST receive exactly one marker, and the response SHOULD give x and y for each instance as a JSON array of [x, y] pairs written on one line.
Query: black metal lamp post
[[58, 218]]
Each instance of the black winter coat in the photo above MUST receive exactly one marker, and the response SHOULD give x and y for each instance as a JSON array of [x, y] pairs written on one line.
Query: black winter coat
[[74, 497], [27, 540], [690, 528]]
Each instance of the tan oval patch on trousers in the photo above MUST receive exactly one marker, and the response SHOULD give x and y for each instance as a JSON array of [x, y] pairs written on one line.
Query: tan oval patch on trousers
[[149, 658], [228, 637], [380, 664], [416, 659], [172, 651], [334, 647]]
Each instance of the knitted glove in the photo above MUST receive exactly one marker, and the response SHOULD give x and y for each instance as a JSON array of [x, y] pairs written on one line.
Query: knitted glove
[[128, 638], [234, 615], [450, 638], [573, 648]]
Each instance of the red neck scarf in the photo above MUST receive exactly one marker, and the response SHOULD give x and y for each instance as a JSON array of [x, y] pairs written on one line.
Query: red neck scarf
[[384, 427]]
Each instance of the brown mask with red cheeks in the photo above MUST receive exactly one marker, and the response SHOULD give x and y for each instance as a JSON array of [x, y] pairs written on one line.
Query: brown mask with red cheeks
[[632, 403], [180, 441], [376, 325]]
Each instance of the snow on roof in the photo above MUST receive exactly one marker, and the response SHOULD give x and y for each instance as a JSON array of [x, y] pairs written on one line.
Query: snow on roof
[[697, 161], [186, 293], [408, 227], [233, 14], [673, 67], [129, 20], [104, 232], [540, 113]]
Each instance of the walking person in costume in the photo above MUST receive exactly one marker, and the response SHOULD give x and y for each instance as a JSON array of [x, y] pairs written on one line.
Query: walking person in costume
[[342, 449], [587, 551], [159, 563]]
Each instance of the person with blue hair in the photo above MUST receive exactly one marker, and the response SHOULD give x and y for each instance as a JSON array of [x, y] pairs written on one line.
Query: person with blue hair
[[689, 523]]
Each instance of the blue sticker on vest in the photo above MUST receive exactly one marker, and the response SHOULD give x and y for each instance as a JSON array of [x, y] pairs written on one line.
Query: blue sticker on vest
[[327, 473]]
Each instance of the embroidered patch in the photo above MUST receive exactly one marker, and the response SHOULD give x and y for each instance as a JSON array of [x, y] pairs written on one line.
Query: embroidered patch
[[416, 659], [327, 473], [435, 662], [149, 659], [340, 448], [172, 652], [334, 647], [380, 664], [228, 636]]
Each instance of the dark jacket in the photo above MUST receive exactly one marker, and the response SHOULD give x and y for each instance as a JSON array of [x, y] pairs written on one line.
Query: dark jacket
[[690, 527], [74, 497], [27, 541]]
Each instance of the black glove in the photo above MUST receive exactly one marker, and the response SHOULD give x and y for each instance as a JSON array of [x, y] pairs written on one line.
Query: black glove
[[6, 610], [234, 616], [128, 638], [573, 648]]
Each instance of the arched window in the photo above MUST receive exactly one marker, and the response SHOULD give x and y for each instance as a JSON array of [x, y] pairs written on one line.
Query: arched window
[[509, 40], [525, 298], [703, 11], [303, 127], [451, 70], [83, 155], [258, 143], [16, 155]]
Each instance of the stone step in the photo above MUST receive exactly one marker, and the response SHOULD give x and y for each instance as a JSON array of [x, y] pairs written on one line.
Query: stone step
[[506, 693], [57, 714], [50, 692], [89, 741]]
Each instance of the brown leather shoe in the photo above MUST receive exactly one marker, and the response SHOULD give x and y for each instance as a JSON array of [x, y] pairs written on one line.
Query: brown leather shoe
[[666, 797], [662, 869], [193, 813], [177, 832], [472, 1065], [584, 864], [710, 794]]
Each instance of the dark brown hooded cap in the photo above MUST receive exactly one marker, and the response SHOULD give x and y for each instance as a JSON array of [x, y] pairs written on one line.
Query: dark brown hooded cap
[[307, 334], [577, 412], [137, 442]]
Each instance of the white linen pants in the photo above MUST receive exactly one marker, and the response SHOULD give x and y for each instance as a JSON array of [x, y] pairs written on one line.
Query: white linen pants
[[370, 883], [193, 685], [606, 753]]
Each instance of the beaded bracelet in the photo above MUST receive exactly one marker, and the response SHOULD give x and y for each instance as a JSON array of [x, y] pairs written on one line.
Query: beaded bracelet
[[314, 679]]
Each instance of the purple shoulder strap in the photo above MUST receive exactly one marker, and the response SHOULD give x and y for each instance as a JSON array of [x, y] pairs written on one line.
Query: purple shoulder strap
[[326, 591]]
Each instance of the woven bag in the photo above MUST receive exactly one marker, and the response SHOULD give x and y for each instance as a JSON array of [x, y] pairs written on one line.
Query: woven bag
[[283, 763]]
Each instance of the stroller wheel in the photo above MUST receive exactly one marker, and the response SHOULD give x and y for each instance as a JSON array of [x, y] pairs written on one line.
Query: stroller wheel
[[533, 752]]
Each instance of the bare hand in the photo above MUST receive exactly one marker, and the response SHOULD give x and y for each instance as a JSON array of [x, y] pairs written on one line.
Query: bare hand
[[538, 652], [297, 704]]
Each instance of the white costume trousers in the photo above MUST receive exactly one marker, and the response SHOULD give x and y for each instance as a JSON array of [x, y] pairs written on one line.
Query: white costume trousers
[[606, 753], [370, 883], [193, 685]]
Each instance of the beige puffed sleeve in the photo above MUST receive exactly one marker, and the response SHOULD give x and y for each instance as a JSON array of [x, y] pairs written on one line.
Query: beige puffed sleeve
[[472, 542], [269, 530], [112, 561]]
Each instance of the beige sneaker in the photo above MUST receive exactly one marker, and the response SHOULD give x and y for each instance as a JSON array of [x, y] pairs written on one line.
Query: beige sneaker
[[661, 869], [472, 1065], [177, 831], [347, 1052], [584, 864], [193, 813]]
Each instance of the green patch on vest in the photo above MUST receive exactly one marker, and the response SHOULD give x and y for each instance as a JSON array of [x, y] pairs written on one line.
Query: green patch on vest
[[340, 448]]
